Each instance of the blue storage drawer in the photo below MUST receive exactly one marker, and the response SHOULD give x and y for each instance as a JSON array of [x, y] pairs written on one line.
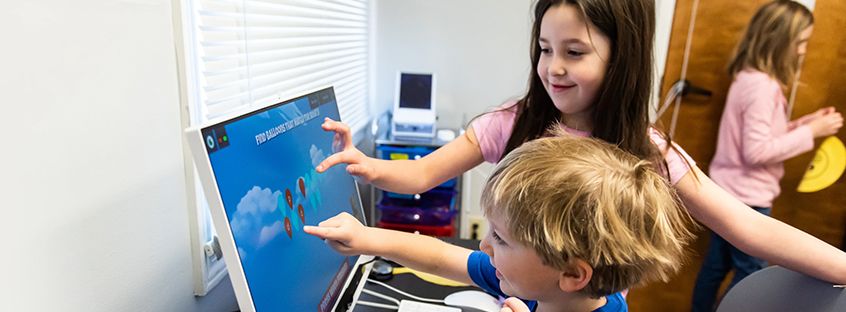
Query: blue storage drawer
[[391, 152]]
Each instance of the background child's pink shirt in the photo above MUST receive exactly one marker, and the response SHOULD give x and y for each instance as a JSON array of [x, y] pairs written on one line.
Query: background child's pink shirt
[[755, 139], [494, 128]]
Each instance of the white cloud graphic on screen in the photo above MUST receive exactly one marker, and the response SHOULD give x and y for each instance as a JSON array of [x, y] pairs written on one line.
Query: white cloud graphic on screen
[[316, 154], [269, 232], [253, 222]]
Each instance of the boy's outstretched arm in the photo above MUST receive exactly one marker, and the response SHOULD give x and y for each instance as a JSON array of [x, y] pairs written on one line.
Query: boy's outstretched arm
[[348, 236]]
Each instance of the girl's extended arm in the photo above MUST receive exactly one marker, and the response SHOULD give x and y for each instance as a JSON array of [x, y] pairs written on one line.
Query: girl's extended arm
[[757, 234], [404, 176], [348, 236]]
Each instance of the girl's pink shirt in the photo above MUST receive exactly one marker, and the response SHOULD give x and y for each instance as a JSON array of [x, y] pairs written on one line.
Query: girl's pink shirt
[[494, 128], [755, 139]]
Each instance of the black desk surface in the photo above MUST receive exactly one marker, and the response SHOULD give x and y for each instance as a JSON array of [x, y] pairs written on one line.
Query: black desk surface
[[412, 284]]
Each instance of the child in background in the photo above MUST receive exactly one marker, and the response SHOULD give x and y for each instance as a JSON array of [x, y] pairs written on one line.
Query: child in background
[[573, 221], [755, 136], [593, 61]]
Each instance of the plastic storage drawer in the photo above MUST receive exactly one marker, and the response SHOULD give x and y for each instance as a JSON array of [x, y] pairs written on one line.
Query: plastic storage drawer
[[391, 152], [436, 207], [446, 230]]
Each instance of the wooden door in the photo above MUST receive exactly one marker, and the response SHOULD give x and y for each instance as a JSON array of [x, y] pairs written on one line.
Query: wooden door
[[719, 25]]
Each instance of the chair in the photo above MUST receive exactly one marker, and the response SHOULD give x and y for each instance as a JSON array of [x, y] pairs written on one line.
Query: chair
[[779, 289]]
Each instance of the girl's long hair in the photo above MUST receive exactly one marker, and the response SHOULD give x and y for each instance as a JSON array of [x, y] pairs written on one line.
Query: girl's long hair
[[621, 109], [770, 41]]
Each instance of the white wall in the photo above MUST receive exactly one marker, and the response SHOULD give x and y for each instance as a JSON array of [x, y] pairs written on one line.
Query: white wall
[[93, 193], [808, 3], [478, 48], [664, 10]]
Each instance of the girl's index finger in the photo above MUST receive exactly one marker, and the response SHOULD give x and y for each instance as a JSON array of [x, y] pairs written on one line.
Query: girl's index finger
[[331, 161], [337, 127], [328, 124]]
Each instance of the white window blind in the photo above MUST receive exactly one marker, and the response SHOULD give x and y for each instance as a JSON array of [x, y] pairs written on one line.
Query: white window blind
[[258, 52], [239, 54]]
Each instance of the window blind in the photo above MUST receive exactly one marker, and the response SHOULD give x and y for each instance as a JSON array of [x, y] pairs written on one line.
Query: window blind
[[257, 52]]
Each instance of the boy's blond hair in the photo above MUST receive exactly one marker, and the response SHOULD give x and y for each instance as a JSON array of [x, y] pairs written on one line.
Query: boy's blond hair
[[580, 198]]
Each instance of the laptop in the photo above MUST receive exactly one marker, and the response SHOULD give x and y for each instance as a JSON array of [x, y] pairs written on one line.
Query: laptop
[[257, 170]]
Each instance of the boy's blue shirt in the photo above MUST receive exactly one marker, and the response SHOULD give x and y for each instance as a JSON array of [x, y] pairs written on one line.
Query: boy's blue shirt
[[484, 275]]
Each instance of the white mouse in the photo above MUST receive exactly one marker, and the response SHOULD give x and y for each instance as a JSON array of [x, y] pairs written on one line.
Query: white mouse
[[473, 299]]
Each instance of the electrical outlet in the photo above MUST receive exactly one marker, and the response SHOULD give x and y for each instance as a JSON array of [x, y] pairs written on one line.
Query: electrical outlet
[[477, 227]]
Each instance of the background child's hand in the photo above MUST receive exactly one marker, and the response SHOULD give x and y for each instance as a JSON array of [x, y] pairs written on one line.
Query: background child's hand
[[514, 305], [344, 233], [822, 112], [346, 152], [827, 123]]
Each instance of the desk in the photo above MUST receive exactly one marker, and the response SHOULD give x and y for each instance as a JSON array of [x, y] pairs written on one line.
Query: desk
[[413, 285]]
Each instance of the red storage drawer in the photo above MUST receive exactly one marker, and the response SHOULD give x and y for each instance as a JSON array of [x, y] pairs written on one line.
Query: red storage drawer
[[447, 230]]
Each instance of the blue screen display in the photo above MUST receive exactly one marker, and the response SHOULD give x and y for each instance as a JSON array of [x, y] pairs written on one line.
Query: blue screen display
[[264, 166]]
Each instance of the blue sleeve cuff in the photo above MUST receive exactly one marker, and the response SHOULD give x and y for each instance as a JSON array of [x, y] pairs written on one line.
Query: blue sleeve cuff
[[483, 273]]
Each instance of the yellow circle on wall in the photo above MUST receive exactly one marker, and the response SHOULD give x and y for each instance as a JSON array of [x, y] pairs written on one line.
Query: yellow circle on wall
[[826, 168]]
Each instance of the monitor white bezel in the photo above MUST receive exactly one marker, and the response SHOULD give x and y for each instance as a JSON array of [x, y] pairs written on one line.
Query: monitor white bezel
[[196, 143], [432, 108]]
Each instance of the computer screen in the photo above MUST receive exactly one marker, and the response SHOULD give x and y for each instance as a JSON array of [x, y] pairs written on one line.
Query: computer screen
[[415, 91], [263, 165]]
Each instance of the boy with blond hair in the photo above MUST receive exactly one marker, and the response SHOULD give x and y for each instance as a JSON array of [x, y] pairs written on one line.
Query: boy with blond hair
[[573, 221]]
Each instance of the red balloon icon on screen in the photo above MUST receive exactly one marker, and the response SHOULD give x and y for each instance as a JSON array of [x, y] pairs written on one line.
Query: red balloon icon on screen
[[289, 198], [301, 183], [301, 212], [288, 227]]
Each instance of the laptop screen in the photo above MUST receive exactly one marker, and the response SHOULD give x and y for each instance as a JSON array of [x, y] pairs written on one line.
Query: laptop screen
[[263, 165]]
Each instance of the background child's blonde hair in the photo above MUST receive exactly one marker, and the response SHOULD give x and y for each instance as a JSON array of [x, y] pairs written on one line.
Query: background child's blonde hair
[[582, 198], [770, 42]]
